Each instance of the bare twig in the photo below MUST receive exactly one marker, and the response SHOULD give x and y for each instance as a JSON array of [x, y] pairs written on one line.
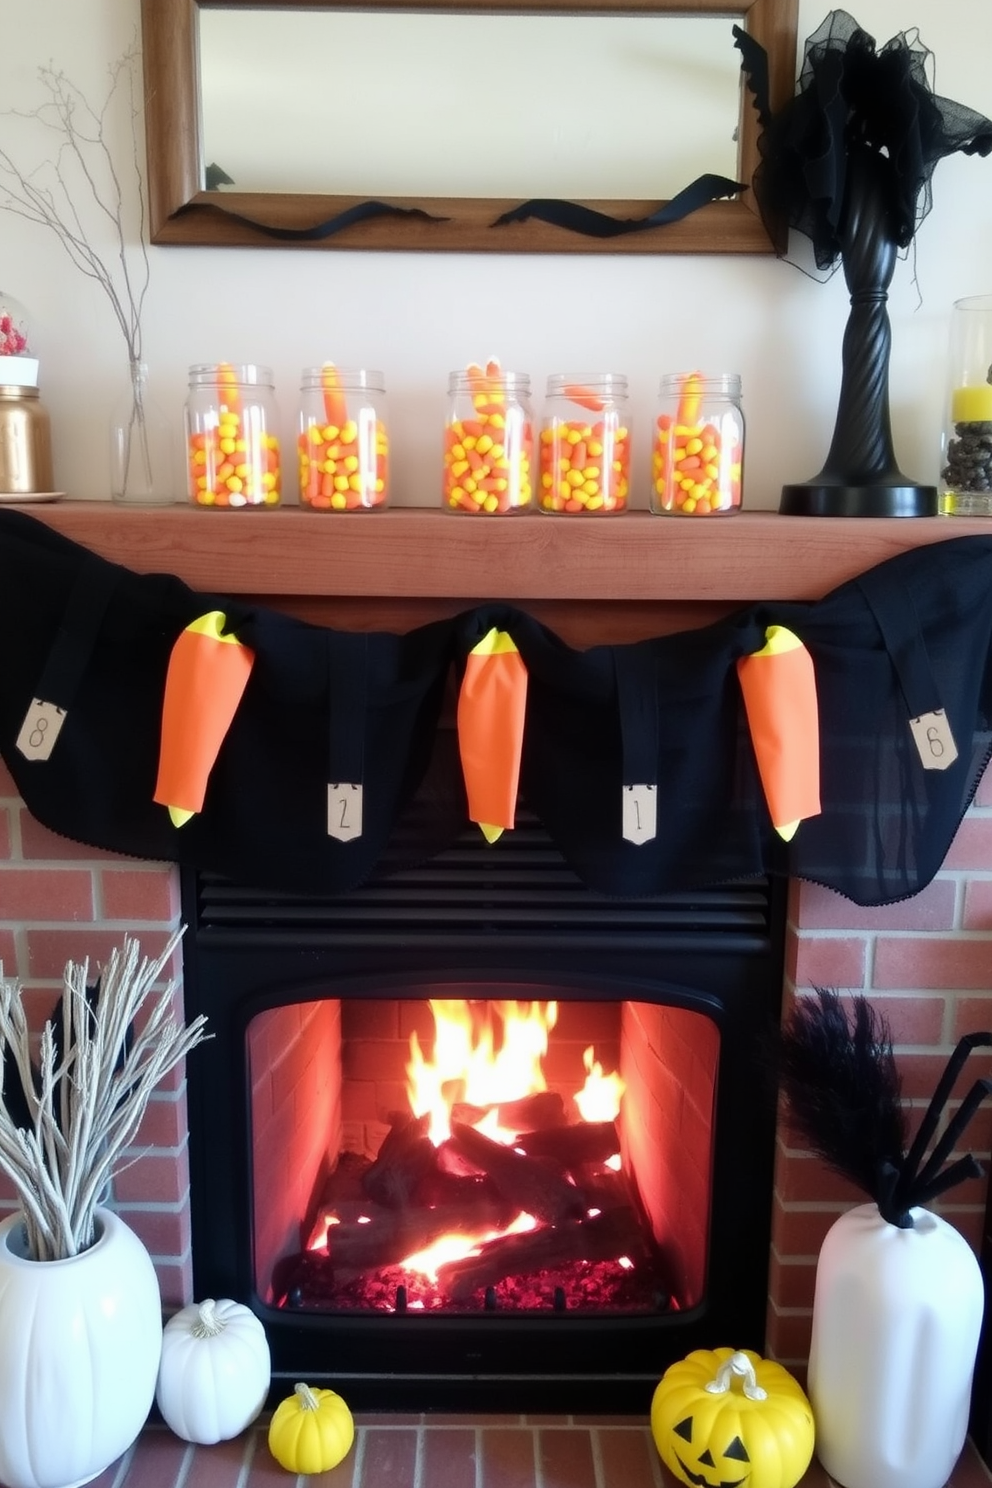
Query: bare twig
[[85, 1103], [79, 180]]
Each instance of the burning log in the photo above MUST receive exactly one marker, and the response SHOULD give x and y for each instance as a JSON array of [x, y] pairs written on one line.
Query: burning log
[[367, 1236], [531, 1112], [571, 1146], [405, 1157], [534, 1185], [605, 1237]]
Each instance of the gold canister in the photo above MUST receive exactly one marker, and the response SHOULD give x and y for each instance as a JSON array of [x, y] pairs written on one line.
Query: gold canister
[[25, 443]]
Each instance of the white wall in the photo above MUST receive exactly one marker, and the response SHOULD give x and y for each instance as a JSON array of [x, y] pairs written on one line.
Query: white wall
[[417, 316]]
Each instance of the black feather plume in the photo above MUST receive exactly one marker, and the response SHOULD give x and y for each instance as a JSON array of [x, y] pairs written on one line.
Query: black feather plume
[[842, 1086]]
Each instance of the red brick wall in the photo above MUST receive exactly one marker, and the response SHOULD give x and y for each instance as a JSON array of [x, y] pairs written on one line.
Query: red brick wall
[[927, 963], [60, 901]]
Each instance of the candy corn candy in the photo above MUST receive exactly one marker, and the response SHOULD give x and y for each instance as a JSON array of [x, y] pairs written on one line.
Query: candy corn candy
[[492, 702], [232, 455], [779, 689], [698, 452], [206, 677], [488, 447], [345, 467]]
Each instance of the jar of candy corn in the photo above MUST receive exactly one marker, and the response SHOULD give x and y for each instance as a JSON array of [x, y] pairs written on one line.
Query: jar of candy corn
[[231, 442], [343, 444], [698, 452], [585, 445], [488, 443]]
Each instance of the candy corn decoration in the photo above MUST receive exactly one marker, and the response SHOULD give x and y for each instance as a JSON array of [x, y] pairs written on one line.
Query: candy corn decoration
[[207, 674], [779, 688], [491, 706], [335, 404]]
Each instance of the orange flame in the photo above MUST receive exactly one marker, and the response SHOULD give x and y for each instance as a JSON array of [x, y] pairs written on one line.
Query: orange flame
[[467, 1066], [599, 1098]]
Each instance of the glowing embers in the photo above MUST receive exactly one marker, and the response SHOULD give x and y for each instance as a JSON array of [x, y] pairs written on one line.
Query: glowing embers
[[493, 1191]]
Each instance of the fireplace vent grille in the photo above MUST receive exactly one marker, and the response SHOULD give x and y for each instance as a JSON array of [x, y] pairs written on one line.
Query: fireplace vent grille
[[521, 887]]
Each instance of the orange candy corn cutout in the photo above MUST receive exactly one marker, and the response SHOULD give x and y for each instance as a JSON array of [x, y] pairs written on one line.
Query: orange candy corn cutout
[[207, 674], [491, 707], [335, 405], [779, 688]]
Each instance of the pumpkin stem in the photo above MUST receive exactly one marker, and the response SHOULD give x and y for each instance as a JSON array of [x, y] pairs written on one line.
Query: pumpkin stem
[[207, 1324], [738, 1364], [306, 1398]]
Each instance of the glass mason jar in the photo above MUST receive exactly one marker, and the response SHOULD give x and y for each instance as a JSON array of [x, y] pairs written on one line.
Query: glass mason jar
[[698, 453], [343, 444], [585, 445], [25, 442], [231, 442], [488, 443], [966, 463]]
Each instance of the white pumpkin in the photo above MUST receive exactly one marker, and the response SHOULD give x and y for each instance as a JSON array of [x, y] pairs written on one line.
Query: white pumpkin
[[214, 1374]]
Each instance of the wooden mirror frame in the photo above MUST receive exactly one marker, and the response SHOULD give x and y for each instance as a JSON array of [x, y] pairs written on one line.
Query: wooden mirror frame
[[180, 212]]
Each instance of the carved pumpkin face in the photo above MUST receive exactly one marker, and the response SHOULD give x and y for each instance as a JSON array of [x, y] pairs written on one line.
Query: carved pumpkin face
[[726, 1419], [716, 1469]]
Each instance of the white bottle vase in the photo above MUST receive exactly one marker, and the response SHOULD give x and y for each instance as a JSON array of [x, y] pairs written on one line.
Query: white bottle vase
[[80, 1343], [896, 1319]]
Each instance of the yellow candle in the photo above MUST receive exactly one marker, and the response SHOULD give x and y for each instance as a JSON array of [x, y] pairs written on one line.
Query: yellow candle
[[972, 405]]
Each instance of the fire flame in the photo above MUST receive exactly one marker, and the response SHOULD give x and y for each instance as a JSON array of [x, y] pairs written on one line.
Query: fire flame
[[467, 1066], [599, 1098]]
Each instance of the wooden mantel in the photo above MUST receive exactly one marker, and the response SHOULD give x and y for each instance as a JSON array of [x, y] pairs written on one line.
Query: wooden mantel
[[616, 578]]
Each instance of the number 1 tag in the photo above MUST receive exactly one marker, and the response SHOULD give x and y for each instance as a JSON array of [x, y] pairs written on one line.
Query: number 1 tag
[[344, 812], [934, 740], [640, 813], [40, 729]]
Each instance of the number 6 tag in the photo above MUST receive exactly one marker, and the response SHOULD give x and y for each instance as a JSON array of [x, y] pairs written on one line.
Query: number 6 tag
[[344, 812], [934, 740], [40, 729]]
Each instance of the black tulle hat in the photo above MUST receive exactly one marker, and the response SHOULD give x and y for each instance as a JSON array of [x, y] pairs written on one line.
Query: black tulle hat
[[853, 96]]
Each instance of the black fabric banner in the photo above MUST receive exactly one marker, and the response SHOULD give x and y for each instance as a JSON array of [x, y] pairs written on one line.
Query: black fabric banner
[[885, 826]]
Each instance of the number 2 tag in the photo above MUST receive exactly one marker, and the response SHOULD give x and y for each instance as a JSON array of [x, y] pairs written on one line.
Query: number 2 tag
[[934, 740], [40, 729], [640, 813], [344, 811]]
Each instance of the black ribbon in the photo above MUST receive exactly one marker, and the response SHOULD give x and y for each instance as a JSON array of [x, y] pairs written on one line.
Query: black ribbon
[[360, 213], [576, 218]]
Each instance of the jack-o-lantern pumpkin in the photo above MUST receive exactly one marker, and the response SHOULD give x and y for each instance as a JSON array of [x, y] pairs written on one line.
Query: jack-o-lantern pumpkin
[[724, 1418]]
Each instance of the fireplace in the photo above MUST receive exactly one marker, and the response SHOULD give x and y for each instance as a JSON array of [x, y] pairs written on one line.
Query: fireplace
[[595, 1249]]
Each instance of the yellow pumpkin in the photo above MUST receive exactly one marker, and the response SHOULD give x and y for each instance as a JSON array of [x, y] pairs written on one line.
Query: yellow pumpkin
[[311, 1431], [724, 1418]]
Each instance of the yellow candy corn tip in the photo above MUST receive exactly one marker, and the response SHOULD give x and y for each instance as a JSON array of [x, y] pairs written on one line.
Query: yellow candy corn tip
[[494, 643], [211, 624], [777, 640], [179, 816], [492, 834], [788, 831]]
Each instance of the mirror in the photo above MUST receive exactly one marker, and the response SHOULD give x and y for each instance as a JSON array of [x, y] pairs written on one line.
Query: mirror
[[670, 106]]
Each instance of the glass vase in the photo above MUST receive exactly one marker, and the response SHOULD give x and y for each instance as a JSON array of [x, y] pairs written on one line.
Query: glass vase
[[141, 461]]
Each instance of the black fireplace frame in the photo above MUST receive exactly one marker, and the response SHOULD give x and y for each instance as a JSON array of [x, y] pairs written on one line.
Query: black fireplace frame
[[520, 918]]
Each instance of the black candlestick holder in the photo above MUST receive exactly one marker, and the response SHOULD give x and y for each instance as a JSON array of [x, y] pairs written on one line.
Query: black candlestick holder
[[860, 477]]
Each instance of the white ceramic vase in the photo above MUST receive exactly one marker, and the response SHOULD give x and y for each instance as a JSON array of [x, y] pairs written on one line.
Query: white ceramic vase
[[896, 1319], [80, 1342]]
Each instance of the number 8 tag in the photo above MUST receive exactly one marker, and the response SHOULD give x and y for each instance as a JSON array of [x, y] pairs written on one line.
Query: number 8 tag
[[40, 729], [344, 811]]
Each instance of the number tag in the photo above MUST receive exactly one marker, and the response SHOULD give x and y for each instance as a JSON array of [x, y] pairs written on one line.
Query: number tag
[[41, 727], [344, 812], [640, 813], [934, 740]]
